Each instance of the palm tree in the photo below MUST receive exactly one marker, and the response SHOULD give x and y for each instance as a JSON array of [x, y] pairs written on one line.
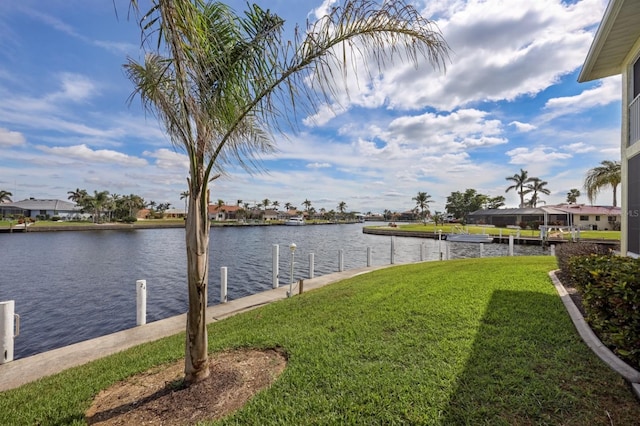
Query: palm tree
[[519, 181], [275, 205], [78, 195], [184, 195], [287, 206], [5, 196], [342, 206], [572, 196], [307, 204], [422, 202], [266, 203], [607, 174], [534, 187], [228, 80]]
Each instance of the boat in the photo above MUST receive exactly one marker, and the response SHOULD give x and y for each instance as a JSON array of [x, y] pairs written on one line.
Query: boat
[[295, 221], [470, 238], [462, 236]]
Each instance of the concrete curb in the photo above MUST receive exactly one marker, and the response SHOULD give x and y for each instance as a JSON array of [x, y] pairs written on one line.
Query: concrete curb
[[21, 371], [629, 373]]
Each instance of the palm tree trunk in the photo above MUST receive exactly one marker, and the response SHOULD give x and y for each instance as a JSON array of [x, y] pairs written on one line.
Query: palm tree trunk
[[197, 243], [615, 195]]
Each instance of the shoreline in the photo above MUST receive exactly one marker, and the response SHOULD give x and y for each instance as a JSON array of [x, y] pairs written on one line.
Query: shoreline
[[142, 225]]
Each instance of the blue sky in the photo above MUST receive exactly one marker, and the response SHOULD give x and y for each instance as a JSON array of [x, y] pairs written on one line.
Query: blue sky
[[508, 100]]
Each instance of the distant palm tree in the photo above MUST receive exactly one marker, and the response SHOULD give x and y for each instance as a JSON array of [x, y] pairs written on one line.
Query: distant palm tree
[[307, 204], [275, 204], [422, 202], [534, 187], [266, 203], [607, 174], [572, 196], [342, 206], [5, 196], [77, 196], [519, 181], [185, 196], [287, 206]]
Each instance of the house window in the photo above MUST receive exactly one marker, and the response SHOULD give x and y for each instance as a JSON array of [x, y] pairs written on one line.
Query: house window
[[584, 217], [611, 219], [597, 218]]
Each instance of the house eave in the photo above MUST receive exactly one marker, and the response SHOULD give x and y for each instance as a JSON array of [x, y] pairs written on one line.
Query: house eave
[[613, 41]]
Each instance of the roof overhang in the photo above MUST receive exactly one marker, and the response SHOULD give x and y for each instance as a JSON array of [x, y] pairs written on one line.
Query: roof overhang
[[616, 35]]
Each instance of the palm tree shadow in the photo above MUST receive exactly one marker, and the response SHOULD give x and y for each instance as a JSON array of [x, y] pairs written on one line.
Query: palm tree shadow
[[511, 376]]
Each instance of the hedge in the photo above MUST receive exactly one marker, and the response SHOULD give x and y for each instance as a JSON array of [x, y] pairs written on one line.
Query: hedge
[[610, 288]]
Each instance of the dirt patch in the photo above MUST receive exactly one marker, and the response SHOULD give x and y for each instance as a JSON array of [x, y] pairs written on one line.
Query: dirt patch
[[156, 397]]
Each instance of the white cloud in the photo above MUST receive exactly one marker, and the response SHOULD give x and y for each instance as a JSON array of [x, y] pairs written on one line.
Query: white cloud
[[497, 53], [168, 159], [522, 127], [318, 165], [527, 156], [86, 154], [578, 148], [11, 138], [607, 91]]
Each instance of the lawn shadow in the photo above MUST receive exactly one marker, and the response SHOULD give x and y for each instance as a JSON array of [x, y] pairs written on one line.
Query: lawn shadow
[[527, 366]]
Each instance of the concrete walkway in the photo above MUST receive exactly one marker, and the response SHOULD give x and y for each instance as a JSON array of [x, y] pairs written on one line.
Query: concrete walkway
[[25, 370]]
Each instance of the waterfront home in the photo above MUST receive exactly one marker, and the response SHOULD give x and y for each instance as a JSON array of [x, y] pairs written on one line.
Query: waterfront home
[[223, 212], [43, 209], [616, 51], [574, 215]]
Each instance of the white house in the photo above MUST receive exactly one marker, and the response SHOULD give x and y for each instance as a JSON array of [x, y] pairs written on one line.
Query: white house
[[616, 51], [35, 208]]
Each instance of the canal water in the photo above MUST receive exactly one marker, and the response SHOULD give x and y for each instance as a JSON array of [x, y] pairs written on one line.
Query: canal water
[[73, 286]]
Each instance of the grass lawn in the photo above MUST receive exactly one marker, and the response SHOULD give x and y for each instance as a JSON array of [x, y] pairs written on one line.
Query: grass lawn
[[470, 342], [447, 228]]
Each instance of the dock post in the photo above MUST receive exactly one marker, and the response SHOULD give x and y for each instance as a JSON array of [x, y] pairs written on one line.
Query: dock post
[[311, 265], [481, 249], [393, 250], [368, 257], [511, 245], [7, 335], [223, 284], [341, 260], [552, 250], [275, 259], [141, 302], [422, 252]]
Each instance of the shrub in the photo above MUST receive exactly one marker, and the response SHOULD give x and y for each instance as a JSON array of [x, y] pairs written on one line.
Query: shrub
[[129, 219], [610, 288], [565, 251]]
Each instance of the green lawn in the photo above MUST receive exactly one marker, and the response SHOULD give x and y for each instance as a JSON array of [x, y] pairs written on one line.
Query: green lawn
[[447, 228], [469, 342]]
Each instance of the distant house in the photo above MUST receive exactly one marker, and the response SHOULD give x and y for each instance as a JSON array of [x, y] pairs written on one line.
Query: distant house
[[578, 215], [34, 209], [616, 51], [224, 212], [174, 213]]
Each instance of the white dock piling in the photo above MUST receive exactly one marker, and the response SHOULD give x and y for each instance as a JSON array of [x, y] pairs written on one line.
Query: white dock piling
[[368, 257], [275, 259], [341, 260], [393, 250], [311, 265], [9, 321], [223, 284], [141, 302], [511, 244]]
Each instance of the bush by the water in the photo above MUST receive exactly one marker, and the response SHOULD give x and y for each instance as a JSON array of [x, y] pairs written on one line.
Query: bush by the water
[[564, 252], [610, 288]]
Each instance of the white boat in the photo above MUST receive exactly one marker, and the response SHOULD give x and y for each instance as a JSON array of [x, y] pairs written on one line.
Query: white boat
[[462, 236], [470, 238], [295, 221]]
